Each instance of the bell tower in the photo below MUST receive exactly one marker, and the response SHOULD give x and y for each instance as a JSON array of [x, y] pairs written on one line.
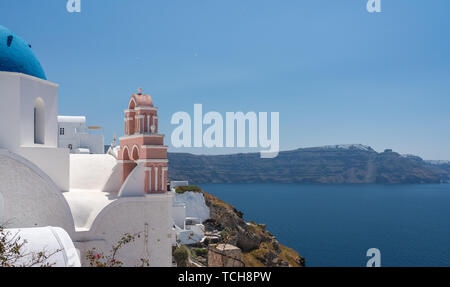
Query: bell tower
[[143, 145]]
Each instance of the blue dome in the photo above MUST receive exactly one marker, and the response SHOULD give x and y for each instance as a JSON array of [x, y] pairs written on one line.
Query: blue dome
[[17, 56]]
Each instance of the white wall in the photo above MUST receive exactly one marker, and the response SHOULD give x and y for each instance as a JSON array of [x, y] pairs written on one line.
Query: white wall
[[95, 172], [53, 161], [86, 205], [114, 182], [19, 93], [77, 124], [195, 205], [179, 214], [130, 215], [31, 89], [9, 110], [134, 184], [95, 143], [30, 197]]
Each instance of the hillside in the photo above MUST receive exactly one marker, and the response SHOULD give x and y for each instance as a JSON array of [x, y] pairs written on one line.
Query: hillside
[[260, 248], [329, 165]]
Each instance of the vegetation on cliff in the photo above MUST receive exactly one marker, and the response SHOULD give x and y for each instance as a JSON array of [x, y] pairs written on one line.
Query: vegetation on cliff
[[183, 189]]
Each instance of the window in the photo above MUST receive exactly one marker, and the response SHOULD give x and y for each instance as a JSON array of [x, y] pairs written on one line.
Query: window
[[61, 131], [39, 121]]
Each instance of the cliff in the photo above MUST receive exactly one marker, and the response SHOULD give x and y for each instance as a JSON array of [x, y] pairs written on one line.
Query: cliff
[[260, 248], [329, 165]]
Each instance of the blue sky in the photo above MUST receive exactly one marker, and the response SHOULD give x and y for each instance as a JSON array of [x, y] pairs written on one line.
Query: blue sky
[[336, 73]]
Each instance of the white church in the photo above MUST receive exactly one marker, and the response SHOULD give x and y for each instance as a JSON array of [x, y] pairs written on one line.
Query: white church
[[94, 197]]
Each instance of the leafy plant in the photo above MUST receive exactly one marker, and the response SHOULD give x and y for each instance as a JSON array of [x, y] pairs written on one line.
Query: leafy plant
[[200, 251]]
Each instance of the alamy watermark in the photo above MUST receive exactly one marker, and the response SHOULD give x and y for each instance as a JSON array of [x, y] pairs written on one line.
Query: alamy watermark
[[73, 6], [213, 136], [374, 6], [375, 257]]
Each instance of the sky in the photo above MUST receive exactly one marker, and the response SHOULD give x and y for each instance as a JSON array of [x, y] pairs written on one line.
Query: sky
[[335, 73]]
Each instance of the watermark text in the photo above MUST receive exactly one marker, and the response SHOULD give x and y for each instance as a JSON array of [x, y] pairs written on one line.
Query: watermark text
[[235, 130], [375, 257], [374, 6], [73, 6]]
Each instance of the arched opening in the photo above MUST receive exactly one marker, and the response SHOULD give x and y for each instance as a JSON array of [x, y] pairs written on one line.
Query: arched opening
[[39, 121], [128, 164], [132, 104], [126, 153], [135, 153]]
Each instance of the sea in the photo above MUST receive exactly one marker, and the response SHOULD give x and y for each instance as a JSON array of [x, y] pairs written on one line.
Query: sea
[[335, 225]]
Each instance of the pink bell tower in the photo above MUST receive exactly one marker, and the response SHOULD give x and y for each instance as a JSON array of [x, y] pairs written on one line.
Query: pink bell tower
[[142, 144]]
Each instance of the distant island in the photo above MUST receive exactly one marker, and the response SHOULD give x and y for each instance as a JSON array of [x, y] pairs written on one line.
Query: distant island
[[337, 164]]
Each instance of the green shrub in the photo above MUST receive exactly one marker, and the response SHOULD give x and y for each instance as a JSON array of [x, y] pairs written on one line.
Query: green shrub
[[183, 189], [181, 256], [200, 251], [224, 234]]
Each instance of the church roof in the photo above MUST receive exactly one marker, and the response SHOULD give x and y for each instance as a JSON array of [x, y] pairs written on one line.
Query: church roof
[[72, 119], [142, 100], [16, 55]]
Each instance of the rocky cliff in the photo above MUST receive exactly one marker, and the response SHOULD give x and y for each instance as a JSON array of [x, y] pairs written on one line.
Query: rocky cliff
[[260, 248]]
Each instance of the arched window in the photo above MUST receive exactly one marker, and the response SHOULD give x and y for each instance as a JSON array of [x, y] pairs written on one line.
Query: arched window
[[132, 104], [135, 153], [39, 121], [125, 153]]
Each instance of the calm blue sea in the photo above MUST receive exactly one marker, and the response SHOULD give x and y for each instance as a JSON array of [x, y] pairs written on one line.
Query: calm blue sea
[[334, 225]]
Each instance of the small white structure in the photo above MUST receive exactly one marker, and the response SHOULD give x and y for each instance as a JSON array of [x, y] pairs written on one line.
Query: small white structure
[[189, 210], [74, 135], [195, 225], [179, 213], [187, 236], [53, 241], [195, 205]]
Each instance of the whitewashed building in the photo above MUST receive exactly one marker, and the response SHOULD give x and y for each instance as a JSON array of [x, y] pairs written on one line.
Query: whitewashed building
[[189, 211], [76, 136], [87, 195]]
